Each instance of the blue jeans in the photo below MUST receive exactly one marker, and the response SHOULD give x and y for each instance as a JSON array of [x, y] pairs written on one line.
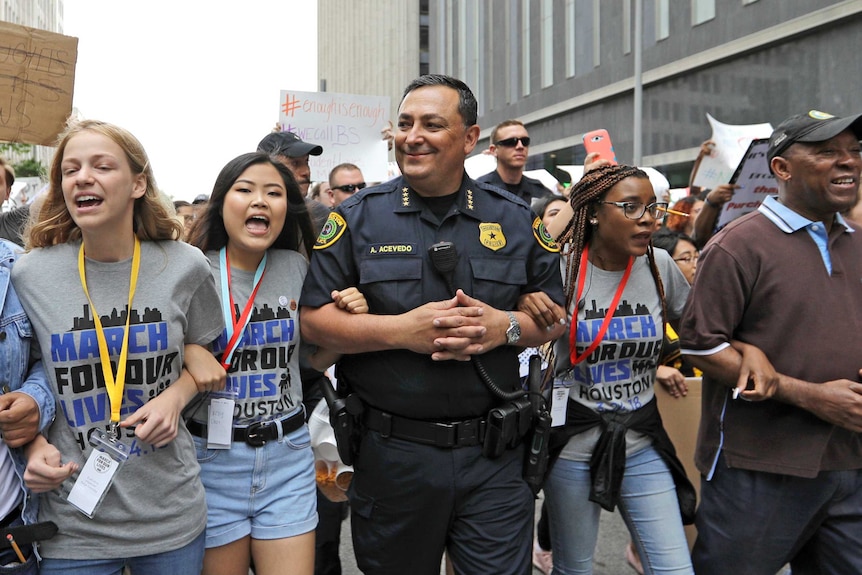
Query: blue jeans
[[186, 560], [648, 505]]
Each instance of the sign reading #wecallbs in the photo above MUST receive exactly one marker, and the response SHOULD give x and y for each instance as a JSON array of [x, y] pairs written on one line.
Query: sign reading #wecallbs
[[349, 127]]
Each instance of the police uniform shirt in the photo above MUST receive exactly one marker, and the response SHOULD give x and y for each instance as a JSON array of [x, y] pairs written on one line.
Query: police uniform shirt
[[378, 241], [528, 189]]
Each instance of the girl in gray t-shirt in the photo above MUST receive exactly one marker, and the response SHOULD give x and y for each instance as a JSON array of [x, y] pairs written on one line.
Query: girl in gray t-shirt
[[116, 302]]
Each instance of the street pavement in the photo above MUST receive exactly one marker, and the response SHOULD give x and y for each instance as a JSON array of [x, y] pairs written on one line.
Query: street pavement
[[609, 558]]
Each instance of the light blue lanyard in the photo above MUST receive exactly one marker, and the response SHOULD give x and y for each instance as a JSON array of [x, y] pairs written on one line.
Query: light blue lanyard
[[234, 326]]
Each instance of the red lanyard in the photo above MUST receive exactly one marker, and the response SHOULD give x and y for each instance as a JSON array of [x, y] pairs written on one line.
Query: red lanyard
[[573, 333], [234, 326]]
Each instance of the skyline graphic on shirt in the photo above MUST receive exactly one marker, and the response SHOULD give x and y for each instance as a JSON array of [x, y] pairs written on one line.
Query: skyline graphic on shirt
[[115, 318], [623, 309]]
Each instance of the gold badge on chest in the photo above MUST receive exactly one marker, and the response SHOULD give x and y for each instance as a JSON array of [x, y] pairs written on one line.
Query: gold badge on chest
[[491, 236]]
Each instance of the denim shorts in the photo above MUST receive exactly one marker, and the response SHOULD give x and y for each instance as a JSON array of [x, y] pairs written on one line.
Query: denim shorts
[[267, 492]]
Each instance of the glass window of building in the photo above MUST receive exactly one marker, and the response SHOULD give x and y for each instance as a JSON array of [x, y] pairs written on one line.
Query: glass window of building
[[701, 11], [547, 43]]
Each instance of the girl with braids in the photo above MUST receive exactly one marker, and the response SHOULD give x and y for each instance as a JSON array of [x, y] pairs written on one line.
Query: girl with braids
[[608, 443]]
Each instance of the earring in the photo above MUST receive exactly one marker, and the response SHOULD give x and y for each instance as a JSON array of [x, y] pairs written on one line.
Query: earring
[[594, 221]]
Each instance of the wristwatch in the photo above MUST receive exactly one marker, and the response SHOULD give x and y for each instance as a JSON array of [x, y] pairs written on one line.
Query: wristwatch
[[513, 334]]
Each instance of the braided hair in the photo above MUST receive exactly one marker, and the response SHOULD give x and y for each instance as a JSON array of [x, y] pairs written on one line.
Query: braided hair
[[584, 197]]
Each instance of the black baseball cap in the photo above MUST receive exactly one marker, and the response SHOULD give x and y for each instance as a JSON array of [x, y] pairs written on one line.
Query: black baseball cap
[[287, 144], [811, 127]]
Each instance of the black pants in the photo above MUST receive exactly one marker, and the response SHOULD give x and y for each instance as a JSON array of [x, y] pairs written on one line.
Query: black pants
[[327, 537], [410, 501]]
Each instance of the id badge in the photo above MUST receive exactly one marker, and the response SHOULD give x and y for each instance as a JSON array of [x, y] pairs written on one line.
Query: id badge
[[560, 398], [97, 475], [220, 419]]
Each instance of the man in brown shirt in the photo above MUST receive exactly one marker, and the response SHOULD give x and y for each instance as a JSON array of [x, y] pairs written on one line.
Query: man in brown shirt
[[779, 447]]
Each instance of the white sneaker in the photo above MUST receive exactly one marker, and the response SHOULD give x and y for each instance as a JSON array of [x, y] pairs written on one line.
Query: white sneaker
[[543, 560]]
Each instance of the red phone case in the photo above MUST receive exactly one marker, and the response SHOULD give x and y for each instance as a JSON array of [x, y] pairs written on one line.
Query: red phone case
[[599, 141]]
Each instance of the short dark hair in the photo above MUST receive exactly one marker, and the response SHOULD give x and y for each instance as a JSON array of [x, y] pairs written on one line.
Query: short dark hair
[[542, 204], [467, 105], [667, 239]]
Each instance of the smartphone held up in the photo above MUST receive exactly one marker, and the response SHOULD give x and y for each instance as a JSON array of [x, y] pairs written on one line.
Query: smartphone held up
[[599, 141]]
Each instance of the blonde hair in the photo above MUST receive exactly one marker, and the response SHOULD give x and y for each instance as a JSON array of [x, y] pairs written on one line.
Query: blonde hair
[[54, 224]]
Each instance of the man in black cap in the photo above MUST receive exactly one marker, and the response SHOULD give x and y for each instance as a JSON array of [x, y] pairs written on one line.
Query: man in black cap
[[779, 444], [294, 154]]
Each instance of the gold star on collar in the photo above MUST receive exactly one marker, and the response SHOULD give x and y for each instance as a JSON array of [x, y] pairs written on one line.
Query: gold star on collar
[[405, 197], [469, 199]]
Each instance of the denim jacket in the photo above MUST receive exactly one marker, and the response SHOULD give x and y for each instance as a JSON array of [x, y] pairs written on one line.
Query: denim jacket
[[15, 369]]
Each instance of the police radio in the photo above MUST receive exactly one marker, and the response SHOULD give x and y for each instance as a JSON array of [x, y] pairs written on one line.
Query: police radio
[[444, 258]]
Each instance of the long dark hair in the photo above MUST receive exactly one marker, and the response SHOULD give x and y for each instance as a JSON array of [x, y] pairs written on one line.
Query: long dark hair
[[209, 232], [584, 197]]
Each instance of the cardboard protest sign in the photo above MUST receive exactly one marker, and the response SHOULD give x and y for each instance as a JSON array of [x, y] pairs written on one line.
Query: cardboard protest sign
[[37, 77], [731, 141], [347, 126], [755, 182]]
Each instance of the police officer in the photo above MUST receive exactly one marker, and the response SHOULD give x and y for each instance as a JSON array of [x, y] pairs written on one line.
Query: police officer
[[421, 481], [510, 144]]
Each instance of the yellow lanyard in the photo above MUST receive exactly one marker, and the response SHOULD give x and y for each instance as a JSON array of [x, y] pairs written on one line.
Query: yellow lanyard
[[114, 386]]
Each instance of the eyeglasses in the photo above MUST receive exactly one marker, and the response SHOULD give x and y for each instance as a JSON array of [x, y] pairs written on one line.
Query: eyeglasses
[[350, 188], [636, 210], [688, 259], [512, 142]]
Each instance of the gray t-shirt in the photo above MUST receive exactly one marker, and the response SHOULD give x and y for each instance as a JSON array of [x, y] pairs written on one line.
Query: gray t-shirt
[[619, 374], [156, 503], [265, 367]]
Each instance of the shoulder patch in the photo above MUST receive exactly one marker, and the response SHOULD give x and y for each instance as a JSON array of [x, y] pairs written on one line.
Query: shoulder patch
[[543, 237], [331, 231]]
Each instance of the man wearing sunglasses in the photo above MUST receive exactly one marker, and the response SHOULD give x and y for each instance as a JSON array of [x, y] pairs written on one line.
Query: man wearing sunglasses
[[344, 181], [510, 144]]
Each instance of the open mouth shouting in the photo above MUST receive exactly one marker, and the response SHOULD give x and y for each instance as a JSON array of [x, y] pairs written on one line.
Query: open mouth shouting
[[257, 224]]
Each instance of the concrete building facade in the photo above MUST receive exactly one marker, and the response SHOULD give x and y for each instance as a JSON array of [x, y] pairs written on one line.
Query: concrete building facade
[[565, 67]]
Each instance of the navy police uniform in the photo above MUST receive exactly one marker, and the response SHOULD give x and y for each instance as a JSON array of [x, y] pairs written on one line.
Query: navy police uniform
[[528, 189], [421, 482]]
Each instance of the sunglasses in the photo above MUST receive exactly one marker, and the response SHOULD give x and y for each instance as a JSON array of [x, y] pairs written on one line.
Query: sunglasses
[[350, 188], [512, 142]]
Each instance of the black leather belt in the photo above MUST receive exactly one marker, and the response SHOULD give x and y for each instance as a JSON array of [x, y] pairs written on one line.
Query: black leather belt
[[258, 433], [462, 433], [12, 516]]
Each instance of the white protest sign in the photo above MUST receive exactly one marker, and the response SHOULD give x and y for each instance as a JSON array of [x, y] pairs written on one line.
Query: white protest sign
[[347, 126], [479, 165], [755, 182], [731, 142]]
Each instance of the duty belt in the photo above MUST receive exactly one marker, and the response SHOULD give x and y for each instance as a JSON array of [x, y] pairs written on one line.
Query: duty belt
[[258, 433], [463, 433]]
